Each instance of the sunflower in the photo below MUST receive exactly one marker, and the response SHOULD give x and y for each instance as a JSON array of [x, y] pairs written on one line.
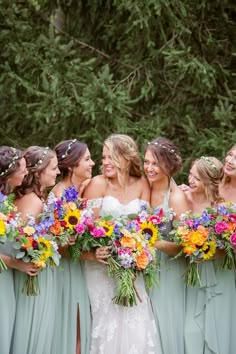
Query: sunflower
[[108, 227], [47, 249], [2, 228], [150, 231], [208, 249], [72, 218]]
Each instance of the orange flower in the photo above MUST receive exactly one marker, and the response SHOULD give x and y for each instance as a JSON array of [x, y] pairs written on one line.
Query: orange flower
[[28, 230], [56, 228], [27, 242], [231, 226], [197, 238], [184, 233], [127, 241], [189, 248], [142, 261], [203, 231]]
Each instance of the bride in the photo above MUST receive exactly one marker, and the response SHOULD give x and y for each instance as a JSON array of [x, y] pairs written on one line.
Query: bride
[[121, 190]]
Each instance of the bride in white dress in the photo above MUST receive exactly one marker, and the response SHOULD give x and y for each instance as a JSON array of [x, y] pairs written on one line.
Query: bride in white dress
[[121, 190]]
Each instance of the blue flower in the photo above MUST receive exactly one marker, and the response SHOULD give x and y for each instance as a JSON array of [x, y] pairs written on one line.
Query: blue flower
[[71, 194], [2, 197]]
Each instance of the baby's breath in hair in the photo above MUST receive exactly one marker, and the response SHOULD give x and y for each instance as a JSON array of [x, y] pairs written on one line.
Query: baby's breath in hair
[[40, 161], [12, 163], [68, 148]]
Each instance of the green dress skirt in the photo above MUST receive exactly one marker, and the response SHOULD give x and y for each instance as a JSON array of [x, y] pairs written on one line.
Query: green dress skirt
[[7, 305], [35, 315], [211, 312], [71, 298]]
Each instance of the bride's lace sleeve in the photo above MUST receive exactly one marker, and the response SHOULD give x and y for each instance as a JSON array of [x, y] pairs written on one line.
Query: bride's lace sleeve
[[94, 203]]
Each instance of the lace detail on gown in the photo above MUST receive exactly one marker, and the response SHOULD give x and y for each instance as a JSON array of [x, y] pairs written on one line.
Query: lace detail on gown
[[117, 329]]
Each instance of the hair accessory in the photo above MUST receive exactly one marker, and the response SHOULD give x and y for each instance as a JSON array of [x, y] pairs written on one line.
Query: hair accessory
[[40, 161], [210, 163], [12, 163], [68, 148], [172, 151]]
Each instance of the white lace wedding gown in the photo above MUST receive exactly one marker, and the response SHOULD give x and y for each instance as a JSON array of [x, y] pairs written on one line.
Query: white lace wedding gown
[[117, 329]]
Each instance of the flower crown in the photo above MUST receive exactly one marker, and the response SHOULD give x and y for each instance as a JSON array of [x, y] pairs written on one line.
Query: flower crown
[[40, 161], [12, 163], [68, 148], [172, 151], [210, 163]]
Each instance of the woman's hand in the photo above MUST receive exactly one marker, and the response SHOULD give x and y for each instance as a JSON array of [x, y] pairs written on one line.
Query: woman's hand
[[184, 187], [102, 253], [72, 240], [28, 268]]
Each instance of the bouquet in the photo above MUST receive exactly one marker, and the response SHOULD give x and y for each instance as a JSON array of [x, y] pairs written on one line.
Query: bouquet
[[7, 224], [222, 220], [195, 234], [131, 244], [69, 218], [32, 244]]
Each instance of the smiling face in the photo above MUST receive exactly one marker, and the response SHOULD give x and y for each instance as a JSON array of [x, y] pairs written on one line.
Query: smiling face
[[84, 169], [230, 163], [195, 183], [49, 174], [109, 168], [16, 178], [153, 168]]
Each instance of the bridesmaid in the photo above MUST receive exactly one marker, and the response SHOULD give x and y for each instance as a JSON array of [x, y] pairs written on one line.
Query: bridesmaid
[[72, 332], [162, 160], [228, 185], [35, 315], [12, 171]]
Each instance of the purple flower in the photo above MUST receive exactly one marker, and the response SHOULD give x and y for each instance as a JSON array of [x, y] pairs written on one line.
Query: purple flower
[[71, 194], [233, 239]]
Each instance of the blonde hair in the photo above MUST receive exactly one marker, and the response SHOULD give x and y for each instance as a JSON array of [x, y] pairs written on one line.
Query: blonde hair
[[227, 179], [210, 171], [121, 145]]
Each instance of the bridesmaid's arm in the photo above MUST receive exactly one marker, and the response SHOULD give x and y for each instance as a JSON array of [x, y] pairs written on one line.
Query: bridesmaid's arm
[[28, 268], [180, 205], [145, 190]]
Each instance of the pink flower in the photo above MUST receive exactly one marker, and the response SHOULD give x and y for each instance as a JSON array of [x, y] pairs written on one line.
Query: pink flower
[[220, 227], [80, 228], [232, 217], [98, 232], [233, 239], [88, 221], [155, 219], [190, 223]]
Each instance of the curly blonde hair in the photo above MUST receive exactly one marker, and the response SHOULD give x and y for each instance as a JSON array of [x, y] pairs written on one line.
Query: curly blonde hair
[[121, 145], [210, 171]]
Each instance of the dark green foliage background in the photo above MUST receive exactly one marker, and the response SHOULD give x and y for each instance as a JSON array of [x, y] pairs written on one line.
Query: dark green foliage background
[[86, 69]]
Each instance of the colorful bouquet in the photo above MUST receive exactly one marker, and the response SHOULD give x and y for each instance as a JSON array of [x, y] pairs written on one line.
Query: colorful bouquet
[[32, 244], [7, 222], [70, 218], [201, 235], [223, 222], [131, 243], [197, 239]]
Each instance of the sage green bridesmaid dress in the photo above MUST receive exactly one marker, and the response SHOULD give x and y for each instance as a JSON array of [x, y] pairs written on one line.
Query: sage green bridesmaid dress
[[71, 299], [168, 296], [35, 315], [7, 304], [211, 311]]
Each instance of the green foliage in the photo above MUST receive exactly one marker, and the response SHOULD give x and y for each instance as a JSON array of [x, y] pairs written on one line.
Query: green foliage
[[86, 69]]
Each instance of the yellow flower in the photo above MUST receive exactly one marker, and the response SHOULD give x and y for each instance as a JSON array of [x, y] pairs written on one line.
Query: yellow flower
[[72, 218], [2, 228], [28, 230], [47, 252], [208, 249], [108, 227], [149, 229]]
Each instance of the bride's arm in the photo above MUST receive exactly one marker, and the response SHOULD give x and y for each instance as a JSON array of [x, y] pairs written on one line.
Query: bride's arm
[[145, 190]]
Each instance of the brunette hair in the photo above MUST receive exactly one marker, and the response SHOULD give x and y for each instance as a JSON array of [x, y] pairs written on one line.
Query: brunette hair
[[9, 164], [167, 155], [69, 154], [37, 159]]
